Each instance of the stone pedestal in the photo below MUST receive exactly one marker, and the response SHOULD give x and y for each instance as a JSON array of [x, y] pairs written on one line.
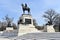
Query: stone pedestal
[[9, 28], [50, 28], [26, 25]]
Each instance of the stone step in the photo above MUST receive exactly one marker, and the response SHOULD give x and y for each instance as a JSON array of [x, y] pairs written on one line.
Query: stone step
[[43, 35]]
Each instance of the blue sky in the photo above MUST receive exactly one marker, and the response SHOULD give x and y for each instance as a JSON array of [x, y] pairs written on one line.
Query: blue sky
[[38, 7]]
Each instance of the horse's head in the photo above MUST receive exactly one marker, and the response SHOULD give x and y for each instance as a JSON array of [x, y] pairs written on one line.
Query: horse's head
[[22, 5], [25, 5]]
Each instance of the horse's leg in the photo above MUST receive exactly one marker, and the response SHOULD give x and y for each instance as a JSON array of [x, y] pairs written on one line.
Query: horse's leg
[[28, 10], [23, 11]]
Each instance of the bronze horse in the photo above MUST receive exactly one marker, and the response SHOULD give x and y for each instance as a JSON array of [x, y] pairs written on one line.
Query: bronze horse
[[25, 8]]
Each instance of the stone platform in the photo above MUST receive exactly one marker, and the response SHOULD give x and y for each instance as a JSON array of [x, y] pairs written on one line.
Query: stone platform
[[34, 36]]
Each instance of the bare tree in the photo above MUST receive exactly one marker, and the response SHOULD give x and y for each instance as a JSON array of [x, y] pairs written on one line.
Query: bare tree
[[50, 15], [57, 24], [35, 23], [14, 26], [1, 26], [8, 20]]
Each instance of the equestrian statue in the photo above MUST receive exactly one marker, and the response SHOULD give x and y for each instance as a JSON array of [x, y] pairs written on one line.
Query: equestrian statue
[[25, 8]]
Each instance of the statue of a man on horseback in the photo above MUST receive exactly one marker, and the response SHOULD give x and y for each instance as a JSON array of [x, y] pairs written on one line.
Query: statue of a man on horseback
[[25, 8]]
